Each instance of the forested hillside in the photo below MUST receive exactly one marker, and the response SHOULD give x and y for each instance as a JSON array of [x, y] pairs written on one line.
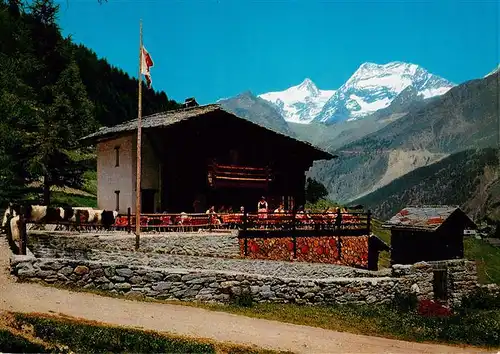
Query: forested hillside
[[466, 117], [468, 179], [53, 92]]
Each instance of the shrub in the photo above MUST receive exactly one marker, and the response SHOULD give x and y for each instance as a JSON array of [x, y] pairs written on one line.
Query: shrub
[[431, 308], [480, 299], [405, 301], [10, 343], [243, 300]]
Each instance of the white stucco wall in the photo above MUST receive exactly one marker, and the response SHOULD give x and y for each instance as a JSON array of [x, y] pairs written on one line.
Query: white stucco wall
[[123, 177]]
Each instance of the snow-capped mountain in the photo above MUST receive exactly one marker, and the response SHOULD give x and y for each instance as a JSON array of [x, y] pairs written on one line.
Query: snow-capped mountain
[[494, 71], [373, 87], [301, 103]]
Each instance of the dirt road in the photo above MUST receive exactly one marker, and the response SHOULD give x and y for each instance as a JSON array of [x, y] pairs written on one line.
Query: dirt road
[[195, 322]]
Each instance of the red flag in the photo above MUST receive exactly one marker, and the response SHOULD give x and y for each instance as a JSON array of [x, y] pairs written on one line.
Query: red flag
[[146, 64]]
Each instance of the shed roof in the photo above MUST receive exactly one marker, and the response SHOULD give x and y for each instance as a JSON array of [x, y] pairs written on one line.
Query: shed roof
[[425, 218], [169, 118]]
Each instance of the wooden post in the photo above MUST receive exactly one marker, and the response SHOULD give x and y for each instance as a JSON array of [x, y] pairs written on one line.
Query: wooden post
[[245, 226], [245, 218], [339, 247], [78, 220], [22, 230], [368, 221], [294, 233], [139, 161], [129, 220]]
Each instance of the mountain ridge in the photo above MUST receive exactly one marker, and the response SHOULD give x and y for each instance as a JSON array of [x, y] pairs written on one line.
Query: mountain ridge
[[370, 88], [463, 118], [373, 87], [299, 103]]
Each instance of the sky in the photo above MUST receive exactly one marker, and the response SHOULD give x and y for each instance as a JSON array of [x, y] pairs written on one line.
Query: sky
[[218, 49]]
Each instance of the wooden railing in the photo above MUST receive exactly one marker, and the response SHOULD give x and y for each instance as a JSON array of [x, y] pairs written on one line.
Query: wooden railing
[[253, 224], [250, 225], [229, 174]]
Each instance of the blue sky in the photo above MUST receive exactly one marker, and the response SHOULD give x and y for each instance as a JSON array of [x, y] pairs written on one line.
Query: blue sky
[[217, 49]]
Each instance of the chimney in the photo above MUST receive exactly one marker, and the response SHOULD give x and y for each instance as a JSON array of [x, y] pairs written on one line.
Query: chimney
[[190, 102]]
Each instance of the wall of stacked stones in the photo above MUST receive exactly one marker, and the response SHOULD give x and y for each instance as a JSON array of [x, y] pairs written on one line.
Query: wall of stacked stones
[[216, 285], [222, 245], [201, 285], [345, 250], [419, 277]]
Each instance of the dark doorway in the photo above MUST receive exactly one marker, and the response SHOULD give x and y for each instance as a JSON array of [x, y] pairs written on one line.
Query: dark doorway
[[440, 285], [148, 201]]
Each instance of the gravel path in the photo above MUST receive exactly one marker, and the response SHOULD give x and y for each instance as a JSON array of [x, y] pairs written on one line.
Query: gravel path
[[195, 322]]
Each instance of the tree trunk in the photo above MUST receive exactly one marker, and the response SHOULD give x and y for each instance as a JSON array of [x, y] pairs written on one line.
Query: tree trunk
[[46, 191]]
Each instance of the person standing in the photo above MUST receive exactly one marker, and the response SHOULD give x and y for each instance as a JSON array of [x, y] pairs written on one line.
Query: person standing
[[262, 208]]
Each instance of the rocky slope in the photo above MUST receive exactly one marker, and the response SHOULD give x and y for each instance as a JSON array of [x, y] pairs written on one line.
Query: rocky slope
[[463, 118], [468, 178], [255, 109]]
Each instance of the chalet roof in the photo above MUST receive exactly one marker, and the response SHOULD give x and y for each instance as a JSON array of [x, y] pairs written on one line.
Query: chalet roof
[[168, 118], [425, 218]]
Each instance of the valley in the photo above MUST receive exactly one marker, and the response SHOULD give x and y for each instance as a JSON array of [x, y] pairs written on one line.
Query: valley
[[411, 141]]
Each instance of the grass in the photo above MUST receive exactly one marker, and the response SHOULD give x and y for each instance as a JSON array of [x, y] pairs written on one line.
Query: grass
[[58, 333], [487, 259], [477, 327], [384, 260], [478, 324], [73, 199], [15, 343], [90, 182]]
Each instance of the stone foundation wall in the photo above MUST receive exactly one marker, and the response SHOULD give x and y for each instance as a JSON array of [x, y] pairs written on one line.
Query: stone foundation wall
[[222, 245], [222, 286], [419, 277], [201, 285], [353, 250], [107, 263]]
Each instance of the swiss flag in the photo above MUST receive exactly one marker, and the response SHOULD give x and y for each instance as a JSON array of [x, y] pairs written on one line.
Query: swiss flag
[[146, 64]]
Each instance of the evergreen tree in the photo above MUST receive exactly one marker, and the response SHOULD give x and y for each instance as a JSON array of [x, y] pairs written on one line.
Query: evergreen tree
[[53, 92], [315, 190]]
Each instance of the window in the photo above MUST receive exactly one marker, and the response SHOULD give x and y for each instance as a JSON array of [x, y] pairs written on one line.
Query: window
[[117, 193], [117, 156]]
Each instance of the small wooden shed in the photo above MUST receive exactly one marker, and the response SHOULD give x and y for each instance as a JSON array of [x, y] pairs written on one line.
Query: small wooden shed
[[429, 233]]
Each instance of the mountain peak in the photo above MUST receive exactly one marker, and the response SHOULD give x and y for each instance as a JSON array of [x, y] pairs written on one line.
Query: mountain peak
[[300, 103], [374, 86], [308, 86], [493, 71]]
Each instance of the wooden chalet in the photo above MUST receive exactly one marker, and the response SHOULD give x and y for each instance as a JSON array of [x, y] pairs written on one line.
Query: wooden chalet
[[428, 234], [200, 156]]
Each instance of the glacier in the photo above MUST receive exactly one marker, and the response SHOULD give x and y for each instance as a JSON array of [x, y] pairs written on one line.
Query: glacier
[[372, 87]]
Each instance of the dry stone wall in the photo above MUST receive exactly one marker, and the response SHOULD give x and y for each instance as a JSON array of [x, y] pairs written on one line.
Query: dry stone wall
[[223, 245], [201, 285], [109, 263], [222, 286]]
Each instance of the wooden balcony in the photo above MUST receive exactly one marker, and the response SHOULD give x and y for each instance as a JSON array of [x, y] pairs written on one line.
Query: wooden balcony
[[234, 176]]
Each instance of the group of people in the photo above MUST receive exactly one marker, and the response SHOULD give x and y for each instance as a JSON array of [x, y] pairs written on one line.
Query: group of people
[[262, 207]]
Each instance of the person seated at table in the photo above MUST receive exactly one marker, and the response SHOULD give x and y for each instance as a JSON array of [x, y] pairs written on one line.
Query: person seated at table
[[280, 209], [211, 210], [242, 209], [222, 209], [229, 209]]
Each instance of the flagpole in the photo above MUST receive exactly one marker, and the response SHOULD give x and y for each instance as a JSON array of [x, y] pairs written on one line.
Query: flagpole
[[139, 162]]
